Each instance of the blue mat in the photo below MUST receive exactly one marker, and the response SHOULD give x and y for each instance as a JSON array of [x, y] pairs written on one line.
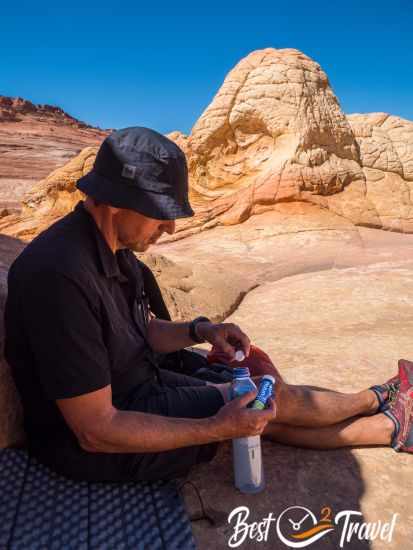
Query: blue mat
[[40, 510]]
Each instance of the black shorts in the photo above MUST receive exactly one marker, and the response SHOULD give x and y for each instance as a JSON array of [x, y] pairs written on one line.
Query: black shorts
[[174, 395], [178, 396]]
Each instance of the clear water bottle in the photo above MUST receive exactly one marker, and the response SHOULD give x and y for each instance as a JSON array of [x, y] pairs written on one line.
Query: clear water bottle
[[246, 451]]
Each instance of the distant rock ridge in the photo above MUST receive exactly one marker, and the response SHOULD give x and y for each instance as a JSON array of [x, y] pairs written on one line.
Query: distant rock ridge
[[13, 108]]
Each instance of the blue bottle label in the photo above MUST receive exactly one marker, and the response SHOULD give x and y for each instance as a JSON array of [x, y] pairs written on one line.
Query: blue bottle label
[[266, 388]]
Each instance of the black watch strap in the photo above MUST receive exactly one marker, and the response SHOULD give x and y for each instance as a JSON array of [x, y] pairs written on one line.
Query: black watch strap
[[192, 332]]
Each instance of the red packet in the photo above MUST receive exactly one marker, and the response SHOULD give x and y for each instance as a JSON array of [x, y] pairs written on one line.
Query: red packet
[[257, 361]]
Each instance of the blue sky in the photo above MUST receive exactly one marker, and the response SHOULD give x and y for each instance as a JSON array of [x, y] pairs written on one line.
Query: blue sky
[[116, 66]]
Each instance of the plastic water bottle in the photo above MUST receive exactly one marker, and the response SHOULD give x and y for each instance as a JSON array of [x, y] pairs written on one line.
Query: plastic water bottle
[[246, 451]]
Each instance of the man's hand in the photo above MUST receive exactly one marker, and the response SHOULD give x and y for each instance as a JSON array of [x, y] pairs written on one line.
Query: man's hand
[[227, 337], [235, 420]]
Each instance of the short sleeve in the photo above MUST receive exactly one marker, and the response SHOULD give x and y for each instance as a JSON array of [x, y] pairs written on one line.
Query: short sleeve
[[65, 336]]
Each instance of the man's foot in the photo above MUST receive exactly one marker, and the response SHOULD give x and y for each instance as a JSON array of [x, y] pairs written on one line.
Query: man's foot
[[401, 410], [386, 393]]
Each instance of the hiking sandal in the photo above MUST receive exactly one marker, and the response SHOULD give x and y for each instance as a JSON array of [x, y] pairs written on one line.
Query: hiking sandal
[[401, 409]]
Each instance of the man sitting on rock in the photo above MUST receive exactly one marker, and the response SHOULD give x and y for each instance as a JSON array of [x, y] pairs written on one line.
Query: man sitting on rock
[[80, 340]]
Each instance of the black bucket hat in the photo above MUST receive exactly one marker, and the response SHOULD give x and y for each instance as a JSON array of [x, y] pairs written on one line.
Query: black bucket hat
[[140, 169]]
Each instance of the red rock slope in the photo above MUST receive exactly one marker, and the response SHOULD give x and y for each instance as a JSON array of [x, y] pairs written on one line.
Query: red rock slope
[[34, 141]]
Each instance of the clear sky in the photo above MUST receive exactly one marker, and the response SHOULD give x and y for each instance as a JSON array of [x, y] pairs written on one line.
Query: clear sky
[[115, 66]]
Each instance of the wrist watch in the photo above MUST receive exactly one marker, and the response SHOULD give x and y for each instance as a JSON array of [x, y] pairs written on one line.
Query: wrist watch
[[192, 329]]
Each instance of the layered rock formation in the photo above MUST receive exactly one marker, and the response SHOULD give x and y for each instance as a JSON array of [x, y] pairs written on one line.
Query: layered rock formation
[[50, 199], [274, 132], [386, 154], [34, 140]]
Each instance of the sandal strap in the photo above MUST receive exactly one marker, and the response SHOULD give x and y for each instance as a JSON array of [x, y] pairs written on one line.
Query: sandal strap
[[391, 388], [379, 393], [394, 443]]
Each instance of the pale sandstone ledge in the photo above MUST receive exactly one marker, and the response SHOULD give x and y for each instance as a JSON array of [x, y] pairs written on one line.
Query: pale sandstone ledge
[[332, 305]]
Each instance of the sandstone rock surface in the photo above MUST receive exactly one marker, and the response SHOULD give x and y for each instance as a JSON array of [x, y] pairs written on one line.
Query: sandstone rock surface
[[34, 140], [11, 431], [275, 128], [386, 154], [50, 199]]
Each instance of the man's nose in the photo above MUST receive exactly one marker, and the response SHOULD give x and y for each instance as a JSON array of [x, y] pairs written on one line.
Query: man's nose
[[170, 226]]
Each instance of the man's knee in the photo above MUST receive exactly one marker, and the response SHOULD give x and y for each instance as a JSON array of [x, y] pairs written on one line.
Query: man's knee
[[274, 430], [284, 402]]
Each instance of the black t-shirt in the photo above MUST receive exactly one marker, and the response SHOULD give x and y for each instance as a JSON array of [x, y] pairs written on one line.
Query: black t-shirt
[[75, 319]]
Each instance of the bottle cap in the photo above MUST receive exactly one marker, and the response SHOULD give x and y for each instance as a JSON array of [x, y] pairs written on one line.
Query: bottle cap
[[268, 377], [239, 355]]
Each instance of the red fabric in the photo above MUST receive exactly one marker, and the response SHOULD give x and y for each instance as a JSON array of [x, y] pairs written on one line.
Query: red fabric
[[257, 361]]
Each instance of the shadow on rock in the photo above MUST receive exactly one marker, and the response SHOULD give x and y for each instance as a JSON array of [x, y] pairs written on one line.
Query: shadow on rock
[[323, 482]]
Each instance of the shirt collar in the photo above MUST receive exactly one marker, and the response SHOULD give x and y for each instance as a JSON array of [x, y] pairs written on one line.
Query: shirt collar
[[108, 260]]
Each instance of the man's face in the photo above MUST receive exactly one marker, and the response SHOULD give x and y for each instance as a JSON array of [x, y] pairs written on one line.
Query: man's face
[[138, 232]]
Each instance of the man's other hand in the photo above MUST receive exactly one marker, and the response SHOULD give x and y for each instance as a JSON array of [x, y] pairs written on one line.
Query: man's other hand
[[225, 337]]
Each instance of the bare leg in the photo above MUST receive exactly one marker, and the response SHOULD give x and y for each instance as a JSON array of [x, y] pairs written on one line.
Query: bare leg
[[309, 407], [302, 406], [374, 430]]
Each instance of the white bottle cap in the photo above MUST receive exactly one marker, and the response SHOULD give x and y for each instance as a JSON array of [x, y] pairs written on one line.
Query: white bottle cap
[[239, 355], [269, 377]]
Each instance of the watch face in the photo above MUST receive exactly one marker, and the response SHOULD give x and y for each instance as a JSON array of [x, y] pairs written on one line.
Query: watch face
[[193, 329], [194, 332]]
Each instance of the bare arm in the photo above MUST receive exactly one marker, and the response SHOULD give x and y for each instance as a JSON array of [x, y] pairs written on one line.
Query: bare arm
[[169, 336], [100, 427]]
